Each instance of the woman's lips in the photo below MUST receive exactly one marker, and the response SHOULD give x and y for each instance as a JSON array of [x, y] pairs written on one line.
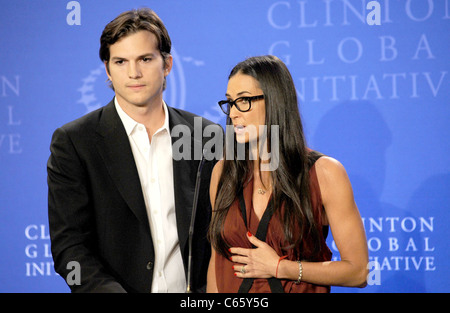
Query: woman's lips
[[239, 129]]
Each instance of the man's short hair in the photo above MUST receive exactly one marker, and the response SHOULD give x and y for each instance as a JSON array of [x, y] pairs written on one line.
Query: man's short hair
[[130, 22]]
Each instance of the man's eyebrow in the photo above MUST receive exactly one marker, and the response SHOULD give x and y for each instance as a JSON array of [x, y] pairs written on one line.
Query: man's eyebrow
[[150, 54], [117, 58]]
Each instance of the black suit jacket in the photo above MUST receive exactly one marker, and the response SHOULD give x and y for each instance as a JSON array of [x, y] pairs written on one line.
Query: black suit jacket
[[96, 209]]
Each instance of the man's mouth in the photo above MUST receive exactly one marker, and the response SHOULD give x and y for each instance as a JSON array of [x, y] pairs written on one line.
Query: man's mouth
[[136, 86]]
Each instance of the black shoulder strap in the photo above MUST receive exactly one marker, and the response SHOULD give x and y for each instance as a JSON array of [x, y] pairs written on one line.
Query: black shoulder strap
[[261, 233]]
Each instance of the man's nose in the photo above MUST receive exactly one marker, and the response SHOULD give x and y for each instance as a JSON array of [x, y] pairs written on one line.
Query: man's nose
[[134, 70]]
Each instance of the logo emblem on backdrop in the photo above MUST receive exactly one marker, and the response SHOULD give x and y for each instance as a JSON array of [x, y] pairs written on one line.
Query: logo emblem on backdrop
[[89, 89], [95, 92]]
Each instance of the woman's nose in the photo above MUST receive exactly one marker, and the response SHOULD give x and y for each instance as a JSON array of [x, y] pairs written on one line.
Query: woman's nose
[[234, 112]]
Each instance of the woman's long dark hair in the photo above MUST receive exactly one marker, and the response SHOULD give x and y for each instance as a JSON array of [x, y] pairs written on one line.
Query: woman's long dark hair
[[291, 179]]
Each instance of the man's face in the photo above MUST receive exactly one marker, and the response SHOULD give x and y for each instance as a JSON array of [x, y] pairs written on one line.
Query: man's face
[[137, 70]]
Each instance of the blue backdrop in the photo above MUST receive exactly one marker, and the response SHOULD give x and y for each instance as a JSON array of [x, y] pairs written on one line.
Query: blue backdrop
[[376, 97]]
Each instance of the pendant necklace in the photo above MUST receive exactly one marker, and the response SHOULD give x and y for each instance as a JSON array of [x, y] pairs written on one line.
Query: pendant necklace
[[261, 191]]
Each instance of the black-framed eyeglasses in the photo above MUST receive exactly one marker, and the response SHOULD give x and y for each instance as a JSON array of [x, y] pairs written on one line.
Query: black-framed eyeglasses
[[243, 104]]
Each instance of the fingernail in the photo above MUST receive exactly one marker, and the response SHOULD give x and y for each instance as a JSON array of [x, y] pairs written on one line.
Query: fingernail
[[235, 274], [249, 234], [233, 266], [229, 250]]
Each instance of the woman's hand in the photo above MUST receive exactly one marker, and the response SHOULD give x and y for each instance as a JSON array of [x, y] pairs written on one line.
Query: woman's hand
[[259, 262]]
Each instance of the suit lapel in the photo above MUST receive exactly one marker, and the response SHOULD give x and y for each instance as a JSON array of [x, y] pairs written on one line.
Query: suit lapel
[[114, 147], [184, 175]]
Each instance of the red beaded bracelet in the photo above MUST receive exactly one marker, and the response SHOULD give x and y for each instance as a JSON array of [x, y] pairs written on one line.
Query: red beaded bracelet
[[279, 260]]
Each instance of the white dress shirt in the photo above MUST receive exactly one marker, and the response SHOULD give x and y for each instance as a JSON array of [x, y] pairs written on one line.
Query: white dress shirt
[[154, 165]]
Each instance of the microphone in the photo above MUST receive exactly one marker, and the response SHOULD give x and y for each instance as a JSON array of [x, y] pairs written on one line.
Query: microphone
[[191, 226]]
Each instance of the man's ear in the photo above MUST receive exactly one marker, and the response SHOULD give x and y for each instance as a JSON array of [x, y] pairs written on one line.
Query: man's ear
[[168, 63], [107, 69], [109, 80]]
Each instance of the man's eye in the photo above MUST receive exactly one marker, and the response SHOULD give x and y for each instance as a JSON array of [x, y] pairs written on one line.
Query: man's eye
[[146, 59], [119, 62]]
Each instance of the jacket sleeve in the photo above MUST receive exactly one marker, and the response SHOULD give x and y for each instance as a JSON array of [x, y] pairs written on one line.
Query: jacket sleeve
[[72, 220]]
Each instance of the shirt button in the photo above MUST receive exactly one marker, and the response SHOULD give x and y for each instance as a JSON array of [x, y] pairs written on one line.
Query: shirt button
[[149, 265]]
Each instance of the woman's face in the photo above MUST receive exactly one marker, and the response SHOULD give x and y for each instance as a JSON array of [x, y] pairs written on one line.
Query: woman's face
[[246, 124]]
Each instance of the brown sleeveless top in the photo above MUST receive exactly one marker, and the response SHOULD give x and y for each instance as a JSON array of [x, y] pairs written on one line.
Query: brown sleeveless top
[[234, 233]]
